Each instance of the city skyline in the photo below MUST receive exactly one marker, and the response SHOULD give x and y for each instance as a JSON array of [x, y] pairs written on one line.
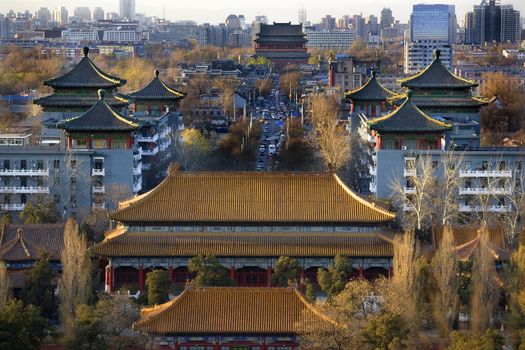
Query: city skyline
[[208, 11]]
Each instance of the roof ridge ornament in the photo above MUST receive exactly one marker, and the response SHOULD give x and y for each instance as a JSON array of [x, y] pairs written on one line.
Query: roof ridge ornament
[[437, 54], [101, 94], [85, 51], [373, 73], [173, 169], [409, 94], [157, 72]]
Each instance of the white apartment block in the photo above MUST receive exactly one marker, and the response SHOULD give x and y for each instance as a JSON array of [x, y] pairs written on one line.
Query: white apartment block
[[333, 39], [79, 35], [420, 54]]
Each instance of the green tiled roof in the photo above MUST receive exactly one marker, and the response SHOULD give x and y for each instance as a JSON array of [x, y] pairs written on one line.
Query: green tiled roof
[[100, 117], [85, 74], [156, 90], [59, 100], [408, 118], [371, 91], [436, 75]]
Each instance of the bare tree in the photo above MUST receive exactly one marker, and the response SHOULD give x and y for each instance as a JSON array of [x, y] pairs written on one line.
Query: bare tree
[[484, 288], [75, 280], [5, 291], [330, 136], [446, 271], [116, 193], [416, 196], [447, 203], [191, 149], [515, 197]]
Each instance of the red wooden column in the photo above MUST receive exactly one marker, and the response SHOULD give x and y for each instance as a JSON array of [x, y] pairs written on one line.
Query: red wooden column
[[109, 278], [170, 272], [361, 272], [142, 278], [232, 273], [269, 276]]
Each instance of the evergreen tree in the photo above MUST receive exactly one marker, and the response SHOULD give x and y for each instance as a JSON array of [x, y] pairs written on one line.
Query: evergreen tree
[[333, 280], [387, 331], [208, 272], [285, 272], [158, 283], [21, 327], [43, 212], [38, 290]]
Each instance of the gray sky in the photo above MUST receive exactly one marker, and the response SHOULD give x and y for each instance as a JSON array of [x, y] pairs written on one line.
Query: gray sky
[[215, 11]]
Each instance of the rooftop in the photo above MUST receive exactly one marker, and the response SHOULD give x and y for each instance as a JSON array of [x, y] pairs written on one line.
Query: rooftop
[[247, 311], [372, 90], [233, 197], [29, 242], [156, 90], [85, 74]]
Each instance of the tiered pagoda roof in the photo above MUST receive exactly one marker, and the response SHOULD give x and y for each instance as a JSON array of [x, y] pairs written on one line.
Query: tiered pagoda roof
[[281, 33], [408, 118], [123, 243], [28, 242], [156, 90], [371, 91], [225, 197], [224, 310], [436, 75], [85, 75], [100, 117]]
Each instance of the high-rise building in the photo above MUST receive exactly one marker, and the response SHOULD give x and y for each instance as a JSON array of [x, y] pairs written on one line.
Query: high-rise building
[[359, 26], [44, 13], [344, 22], [372, 25], [492, 22], [256, 24], [83, 13], [60, 15], [328, 22], [127, 9], [387, 20], [98, 14], [431, 27], [233, 22], [5, 27]]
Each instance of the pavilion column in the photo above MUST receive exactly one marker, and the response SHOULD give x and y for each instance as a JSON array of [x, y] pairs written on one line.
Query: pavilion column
[[390, 272], [142, 278], [269, 276], [109, 278], [232, 273], [361, 272], [170, 272], [301, 278]]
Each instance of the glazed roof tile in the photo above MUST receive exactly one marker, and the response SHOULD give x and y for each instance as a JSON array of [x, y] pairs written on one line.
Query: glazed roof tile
[[157, 90], [234, 311], [371, 91], [256, 244], [251, 197], [59, 100], [85, 74], [28, 241], [436, 75], [100, 117], [407, 118]]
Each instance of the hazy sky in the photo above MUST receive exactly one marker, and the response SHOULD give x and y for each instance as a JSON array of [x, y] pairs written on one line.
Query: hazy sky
[[215, 11]]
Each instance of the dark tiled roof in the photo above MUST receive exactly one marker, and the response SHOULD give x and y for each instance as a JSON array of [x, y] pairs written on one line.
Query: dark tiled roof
[[250, 197], [282, 55], [100, 117], [281, 29], [28, 242], [229, 310], [371, 91], [85, 74], [57, 100], [436, 75], [230, 244], [156, 90], [407, 118], [280, 39], [444, 101]]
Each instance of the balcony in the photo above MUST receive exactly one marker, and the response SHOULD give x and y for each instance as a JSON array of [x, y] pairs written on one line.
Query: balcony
[[408, 207], [409, 172], [373, 170], [492, 208], [98, 189], [24, 172], [409, 190], [138, 169], [151, 152], [98, 206], [373, 187], [137, 156], [154, 138], [137, 186], [24, 189], [98, 172], [485, 173], [12, 207], [484, 190]]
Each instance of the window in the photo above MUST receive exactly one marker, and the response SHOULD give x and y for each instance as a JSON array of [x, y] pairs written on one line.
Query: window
[[23, 198], [56, 164], [39, 181], [118, 143], [80, 143], [518, 165], [40, 164], [7, 164], [501, 165], [99, 143], [73, 164], [484, 165], [98, 163], [23, 164], [23, 181]]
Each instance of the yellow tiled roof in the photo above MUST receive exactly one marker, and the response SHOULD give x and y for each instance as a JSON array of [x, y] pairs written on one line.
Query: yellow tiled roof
[[227, 310], [258, 244], [251, 197]]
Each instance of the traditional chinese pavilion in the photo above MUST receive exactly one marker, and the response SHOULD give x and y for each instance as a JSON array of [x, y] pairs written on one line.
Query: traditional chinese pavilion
[[247, 220], [230, 318], [155, 98], [76, 91], [408, 128], [282, 43], [22, 245], [440, 93], [370, 99]]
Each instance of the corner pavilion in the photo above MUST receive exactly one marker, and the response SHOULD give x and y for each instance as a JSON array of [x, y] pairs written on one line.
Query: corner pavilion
[[247, 220]]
